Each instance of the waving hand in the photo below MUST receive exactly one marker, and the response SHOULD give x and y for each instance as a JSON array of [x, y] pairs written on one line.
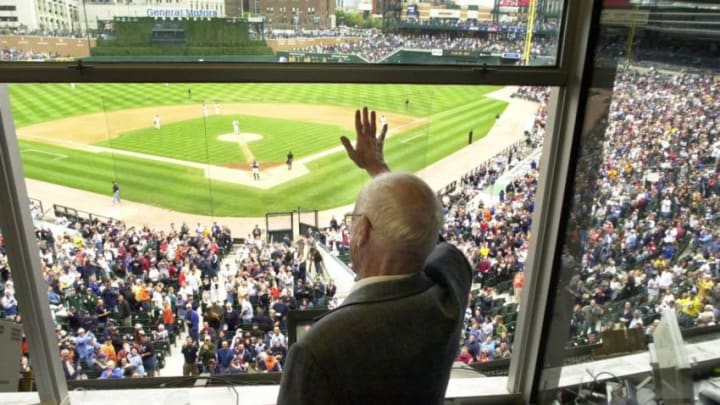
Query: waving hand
[[368, 151]]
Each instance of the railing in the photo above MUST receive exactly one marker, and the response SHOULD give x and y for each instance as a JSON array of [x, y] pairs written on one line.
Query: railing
[[74, 215], [583, 353], [452, 186], [448, 189]]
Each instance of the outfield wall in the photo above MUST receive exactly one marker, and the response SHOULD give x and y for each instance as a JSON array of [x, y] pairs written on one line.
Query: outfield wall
[[183, 37], [288, 44], [205, 33]]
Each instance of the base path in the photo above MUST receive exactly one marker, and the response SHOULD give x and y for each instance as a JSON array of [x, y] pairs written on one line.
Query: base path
[[103, 126], [508, 129]]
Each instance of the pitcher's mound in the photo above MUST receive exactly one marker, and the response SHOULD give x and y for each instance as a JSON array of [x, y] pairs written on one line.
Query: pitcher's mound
[[244, 137]]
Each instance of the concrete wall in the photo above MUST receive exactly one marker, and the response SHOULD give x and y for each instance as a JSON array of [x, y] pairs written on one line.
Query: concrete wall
[[288, 44]]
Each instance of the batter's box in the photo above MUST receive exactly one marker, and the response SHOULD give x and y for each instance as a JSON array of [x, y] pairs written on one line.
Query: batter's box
[[56, 156]]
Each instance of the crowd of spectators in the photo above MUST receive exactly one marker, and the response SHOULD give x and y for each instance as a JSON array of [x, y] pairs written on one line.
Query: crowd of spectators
[[103, 277], [648, 237], [244, 329], [649, 241], [375, 45], [121, 296], [494, 234], [340, 31], [41, 33], [472, 24], [29, 55], [19, 55]]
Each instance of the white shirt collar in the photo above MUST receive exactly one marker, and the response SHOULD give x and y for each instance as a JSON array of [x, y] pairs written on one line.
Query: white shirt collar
[[376, 279]]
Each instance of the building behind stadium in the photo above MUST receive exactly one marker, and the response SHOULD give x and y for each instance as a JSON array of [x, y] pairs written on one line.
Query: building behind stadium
[[78, 16]]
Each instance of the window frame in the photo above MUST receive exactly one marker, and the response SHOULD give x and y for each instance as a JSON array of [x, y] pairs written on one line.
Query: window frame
[[569, 76]]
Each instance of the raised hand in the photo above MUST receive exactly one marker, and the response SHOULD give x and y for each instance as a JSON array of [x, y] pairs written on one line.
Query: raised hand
[[368, 151]]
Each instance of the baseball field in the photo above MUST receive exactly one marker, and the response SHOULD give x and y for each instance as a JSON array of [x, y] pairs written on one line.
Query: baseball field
[[85, 136]]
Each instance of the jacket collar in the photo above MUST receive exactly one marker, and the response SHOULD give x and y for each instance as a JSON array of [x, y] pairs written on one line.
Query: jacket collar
[[386, 291]]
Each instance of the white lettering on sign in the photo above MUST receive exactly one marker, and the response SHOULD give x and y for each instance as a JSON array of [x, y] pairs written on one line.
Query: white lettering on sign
[[180, 13]]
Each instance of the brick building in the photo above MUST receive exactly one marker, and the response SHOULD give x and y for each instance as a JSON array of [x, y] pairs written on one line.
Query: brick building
[[294, 14], [235, 8]]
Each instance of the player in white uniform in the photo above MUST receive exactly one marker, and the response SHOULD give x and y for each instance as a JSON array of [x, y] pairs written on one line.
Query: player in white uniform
[[236, 127], [156, 121]]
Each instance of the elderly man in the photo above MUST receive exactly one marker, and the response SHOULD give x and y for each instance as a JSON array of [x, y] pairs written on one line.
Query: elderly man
[[404, 314]]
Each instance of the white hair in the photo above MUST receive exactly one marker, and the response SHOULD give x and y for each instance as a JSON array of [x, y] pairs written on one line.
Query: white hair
[[403, 211]]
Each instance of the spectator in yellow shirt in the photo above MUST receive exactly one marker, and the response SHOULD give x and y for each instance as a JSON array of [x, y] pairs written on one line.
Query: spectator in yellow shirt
[[704, 286], [484, 251], [690, 305]]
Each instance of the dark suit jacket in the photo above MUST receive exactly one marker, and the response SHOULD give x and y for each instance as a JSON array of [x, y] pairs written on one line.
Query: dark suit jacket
[[391, 342]]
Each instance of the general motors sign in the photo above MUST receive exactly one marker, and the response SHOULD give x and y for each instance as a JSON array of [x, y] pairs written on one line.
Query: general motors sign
[[181, 13]]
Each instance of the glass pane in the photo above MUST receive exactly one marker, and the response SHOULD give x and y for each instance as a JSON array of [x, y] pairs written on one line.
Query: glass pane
[[188, 197], [468, 32], [640, 244]]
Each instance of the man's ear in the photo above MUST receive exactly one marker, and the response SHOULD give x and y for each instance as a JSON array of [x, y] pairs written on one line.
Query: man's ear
[[363, 231]]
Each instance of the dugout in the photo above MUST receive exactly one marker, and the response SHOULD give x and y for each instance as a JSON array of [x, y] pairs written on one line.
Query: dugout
[[278, 225], [307, 219]]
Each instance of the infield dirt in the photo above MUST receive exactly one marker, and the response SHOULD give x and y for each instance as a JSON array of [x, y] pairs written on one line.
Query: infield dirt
[[91, 128]]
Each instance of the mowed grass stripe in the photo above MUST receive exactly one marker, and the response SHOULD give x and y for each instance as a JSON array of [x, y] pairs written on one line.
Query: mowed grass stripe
[[427, 149], [148, 181], [460, 119], [60, 100]]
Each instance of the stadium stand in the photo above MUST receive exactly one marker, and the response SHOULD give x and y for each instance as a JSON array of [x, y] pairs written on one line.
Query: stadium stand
[[375, 45], [651, 247], [18, 55]]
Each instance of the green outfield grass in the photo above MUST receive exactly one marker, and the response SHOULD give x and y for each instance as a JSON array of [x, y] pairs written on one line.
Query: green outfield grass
[[33, 103], [197, 140], [333, 181]]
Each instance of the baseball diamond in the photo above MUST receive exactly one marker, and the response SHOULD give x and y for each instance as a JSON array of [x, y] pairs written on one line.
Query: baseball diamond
[[173, 152]]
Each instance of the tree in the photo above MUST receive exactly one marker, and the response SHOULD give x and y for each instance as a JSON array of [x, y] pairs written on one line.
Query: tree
[[357, 20]]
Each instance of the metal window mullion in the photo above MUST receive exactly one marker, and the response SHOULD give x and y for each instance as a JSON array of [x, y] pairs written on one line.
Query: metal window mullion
[[565, 107], [27, 72], [17, 228]]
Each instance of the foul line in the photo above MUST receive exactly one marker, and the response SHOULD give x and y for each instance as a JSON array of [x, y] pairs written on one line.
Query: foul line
[[58, 155], [413, 138]]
